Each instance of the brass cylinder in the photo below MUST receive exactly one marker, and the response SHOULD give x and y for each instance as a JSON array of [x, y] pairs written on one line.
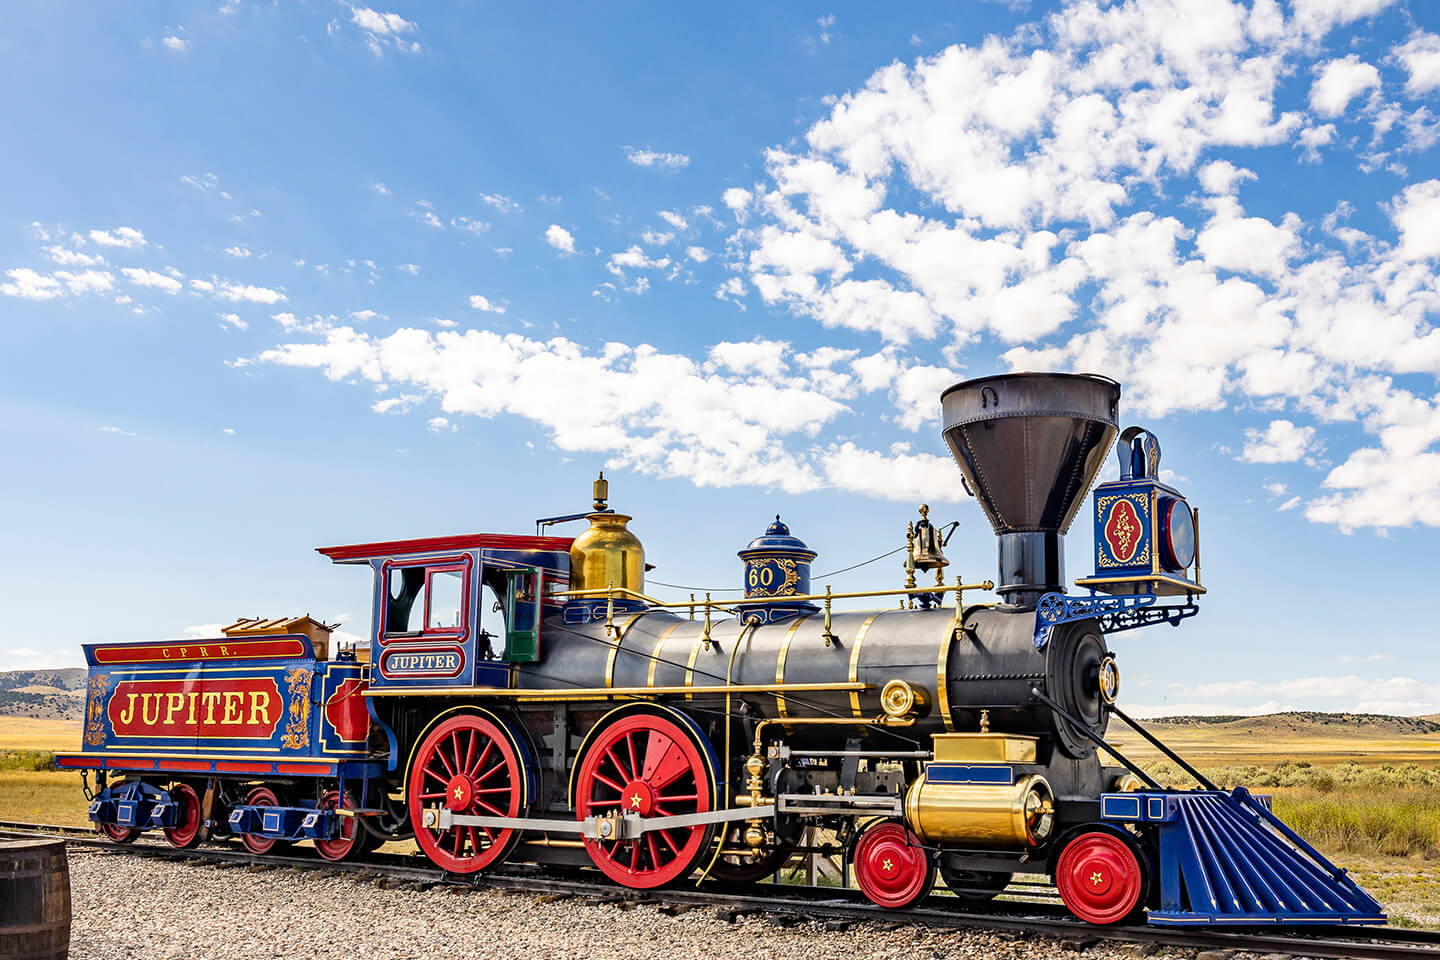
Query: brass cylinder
[[1018, 815], [607, 554]]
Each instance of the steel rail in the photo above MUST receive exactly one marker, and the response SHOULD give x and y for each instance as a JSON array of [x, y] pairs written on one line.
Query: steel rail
[[807, 903]]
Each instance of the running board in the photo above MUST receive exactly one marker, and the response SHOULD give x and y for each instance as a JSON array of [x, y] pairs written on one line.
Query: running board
[[624, 827]]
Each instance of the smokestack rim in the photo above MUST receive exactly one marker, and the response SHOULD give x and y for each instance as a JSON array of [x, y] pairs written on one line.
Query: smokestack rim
[[1112, 416]]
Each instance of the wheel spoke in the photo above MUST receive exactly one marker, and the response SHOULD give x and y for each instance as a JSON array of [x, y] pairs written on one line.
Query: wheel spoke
[[494, 790], [664, 836], [630, 747], [495, 810], [660, 797], [431, 773], [654, 849], [608, 782], [470, 771], [634, 855], [489, 773], [440, 755], [474, 843], [619, 767], [433, 796], [470, 752], [458, 841]]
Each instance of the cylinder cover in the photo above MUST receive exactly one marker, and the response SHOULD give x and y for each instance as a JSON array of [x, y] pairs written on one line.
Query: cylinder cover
[[1009, 815]]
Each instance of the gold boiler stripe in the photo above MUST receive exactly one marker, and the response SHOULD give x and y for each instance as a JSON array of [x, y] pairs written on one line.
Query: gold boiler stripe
[[695, 655], [780, 664], [615, 650], [601, 693], [942, 687], [655, 654], [855, 661]]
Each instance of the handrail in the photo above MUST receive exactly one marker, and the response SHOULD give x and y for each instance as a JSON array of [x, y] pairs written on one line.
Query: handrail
[[754, 601]]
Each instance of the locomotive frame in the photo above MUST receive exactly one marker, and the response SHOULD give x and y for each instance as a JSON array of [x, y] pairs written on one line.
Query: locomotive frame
[[608, 729]]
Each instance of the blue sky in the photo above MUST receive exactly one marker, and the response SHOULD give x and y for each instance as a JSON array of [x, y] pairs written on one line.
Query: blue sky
[[281, 275]]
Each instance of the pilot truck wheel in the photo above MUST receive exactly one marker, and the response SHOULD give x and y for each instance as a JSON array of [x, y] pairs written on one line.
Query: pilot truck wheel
[[470, 765], [891, 867], [261, 796], [1102, 876]]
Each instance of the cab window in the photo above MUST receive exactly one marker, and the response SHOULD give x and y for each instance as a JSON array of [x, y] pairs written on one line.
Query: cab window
[[492, 625], [422, 600]]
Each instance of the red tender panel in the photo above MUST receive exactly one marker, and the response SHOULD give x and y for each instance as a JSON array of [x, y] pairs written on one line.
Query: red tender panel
[[131, 763], [76, 762], [313, 769], [474, 541], [187, 765], [230, 766]]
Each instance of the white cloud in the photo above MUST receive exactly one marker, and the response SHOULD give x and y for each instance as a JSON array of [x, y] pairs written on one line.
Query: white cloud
[[364, 316], [233, 320], [238, 251], [650, 158], [379, 188], [634, 258], [1421, 57], [29, 285], [377, 22], [149, 278], [657, 238], [411, 268], [560, 238], [72, 258], [440, 425], [1290, 504], [698, 254], [116, 430], [1416, 214], [478, 302], [1223, 177], [175, 43], [500, 202], [1315, 17], [127, 237], [87, 281], [1281, 442], [247, 293], [1340, 81], [674, 219], [655, 412]]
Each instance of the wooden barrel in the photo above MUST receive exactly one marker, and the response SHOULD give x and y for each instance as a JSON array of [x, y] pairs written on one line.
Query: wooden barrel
[[34, 900]]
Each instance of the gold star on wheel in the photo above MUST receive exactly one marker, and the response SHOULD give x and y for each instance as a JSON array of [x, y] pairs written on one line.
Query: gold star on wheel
[[1097, 878], [635, 801], [887, 865], [459, 793]]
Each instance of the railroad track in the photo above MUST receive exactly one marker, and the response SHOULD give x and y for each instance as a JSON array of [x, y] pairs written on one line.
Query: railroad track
[[802, 903]]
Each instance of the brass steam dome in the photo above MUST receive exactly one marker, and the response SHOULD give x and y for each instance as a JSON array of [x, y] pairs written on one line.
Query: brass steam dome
[[608, 554]]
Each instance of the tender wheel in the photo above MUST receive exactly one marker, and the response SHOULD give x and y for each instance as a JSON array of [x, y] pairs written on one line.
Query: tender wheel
[[469, 765], [892, 868], [349, 843], [186, 832], [651, 766], [1101, 878], [973, 886], [744, 869], [256, 844], [113, 831]]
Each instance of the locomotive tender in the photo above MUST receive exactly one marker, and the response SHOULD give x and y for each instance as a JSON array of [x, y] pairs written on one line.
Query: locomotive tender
[[522, 698]]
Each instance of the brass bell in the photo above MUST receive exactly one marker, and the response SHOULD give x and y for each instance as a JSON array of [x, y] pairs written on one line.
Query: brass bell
[[927, 550]]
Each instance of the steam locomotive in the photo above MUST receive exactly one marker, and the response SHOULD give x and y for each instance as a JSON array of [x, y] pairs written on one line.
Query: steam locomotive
[[522, 698]]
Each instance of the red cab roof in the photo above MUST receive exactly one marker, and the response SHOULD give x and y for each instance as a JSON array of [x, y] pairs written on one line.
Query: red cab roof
[[474, 541]]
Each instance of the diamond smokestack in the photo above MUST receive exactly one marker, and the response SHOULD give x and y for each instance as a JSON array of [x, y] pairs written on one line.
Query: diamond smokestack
[[1029, 445]]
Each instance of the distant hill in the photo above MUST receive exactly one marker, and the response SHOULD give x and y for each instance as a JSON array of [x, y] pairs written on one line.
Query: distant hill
[[1309, 721], [43, 694]]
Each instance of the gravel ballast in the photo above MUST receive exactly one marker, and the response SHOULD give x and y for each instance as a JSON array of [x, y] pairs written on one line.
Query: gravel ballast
[[141, 907]]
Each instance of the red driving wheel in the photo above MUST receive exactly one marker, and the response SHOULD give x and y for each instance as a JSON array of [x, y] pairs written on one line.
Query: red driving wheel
[[347, 843], [1101, 880], [469, 765], [186, 832], [651, 766], [260, 797], [891, 866]]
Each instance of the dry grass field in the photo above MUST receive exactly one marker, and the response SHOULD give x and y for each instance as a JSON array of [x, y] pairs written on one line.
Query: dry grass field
[[28, 733]]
